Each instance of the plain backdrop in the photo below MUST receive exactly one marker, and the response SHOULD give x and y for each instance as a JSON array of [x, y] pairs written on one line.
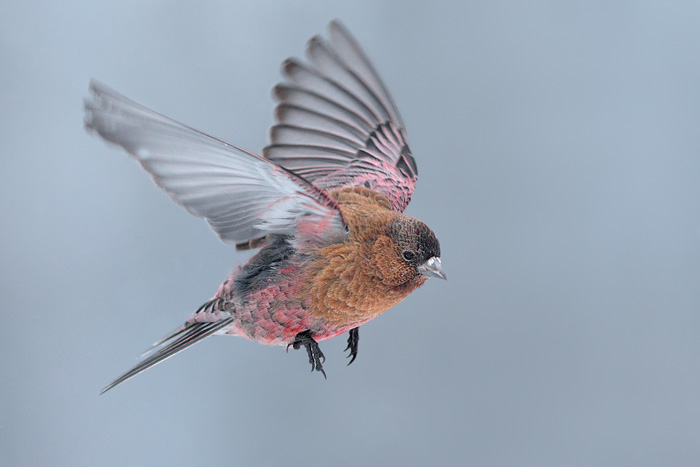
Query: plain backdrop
[[558, 145]]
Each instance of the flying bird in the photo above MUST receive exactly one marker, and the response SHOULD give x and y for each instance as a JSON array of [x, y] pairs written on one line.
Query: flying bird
[[324, 203]]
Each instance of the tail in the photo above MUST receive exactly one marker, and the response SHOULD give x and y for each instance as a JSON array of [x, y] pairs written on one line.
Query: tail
[[178, 340]]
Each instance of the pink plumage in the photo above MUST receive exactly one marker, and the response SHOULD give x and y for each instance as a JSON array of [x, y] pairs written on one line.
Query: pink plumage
[[324, 203]]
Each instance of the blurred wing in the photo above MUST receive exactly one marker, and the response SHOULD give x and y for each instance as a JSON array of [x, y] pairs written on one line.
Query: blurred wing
[[337, 124], [242, 196]]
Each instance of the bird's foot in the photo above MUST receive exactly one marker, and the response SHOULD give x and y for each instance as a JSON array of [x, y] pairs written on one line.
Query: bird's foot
[[353, 340], [316, 357]]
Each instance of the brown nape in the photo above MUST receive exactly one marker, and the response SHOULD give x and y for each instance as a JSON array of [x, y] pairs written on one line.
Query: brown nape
[[366, 212], [360, 195], [360, 279]]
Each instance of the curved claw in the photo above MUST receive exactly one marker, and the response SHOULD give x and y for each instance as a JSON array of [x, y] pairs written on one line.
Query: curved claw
[[316, 357], [353, 341]]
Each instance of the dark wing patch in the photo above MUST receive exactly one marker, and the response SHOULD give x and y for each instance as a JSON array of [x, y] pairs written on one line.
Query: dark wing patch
[[406, 163], [263, 266], [338, 126]]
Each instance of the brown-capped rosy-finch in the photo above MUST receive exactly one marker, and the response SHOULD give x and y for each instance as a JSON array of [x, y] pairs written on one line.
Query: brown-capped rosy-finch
[[324, 203]]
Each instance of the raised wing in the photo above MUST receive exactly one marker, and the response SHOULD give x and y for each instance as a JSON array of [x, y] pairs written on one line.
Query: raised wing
[[242, 196], [337, 124]]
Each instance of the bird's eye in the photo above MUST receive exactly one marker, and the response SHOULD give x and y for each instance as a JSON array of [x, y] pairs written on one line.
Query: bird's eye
[[408, 255]]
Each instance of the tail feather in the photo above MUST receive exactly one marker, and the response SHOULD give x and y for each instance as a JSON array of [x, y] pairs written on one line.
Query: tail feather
[[206, 309], [170, 345]]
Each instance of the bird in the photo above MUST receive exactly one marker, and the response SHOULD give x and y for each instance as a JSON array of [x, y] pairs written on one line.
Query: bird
[[324, 204]]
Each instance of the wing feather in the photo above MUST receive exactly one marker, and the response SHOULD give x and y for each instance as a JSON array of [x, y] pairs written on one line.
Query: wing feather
[[296, 115], [336, 104], [308, 99], [289, 134], [241, 195], [330, 64]]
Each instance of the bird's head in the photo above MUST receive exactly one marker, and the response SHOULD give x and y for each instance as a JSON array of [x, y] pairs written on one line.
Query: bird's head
[[408, 252]]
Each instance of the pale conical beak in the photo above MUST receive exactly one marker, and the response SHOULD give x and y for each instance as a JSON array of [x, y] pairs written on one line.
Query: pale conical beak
[[432, 268]]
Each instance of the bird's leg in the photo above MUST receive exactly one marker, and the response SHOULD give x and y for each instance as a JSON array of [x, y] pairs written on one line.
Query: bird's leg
[[353, 340], [316, 357]]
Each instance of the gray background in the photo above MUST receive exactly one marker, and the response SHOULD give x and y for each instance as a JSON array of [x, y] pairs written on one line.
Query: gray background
[[558, 145]]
